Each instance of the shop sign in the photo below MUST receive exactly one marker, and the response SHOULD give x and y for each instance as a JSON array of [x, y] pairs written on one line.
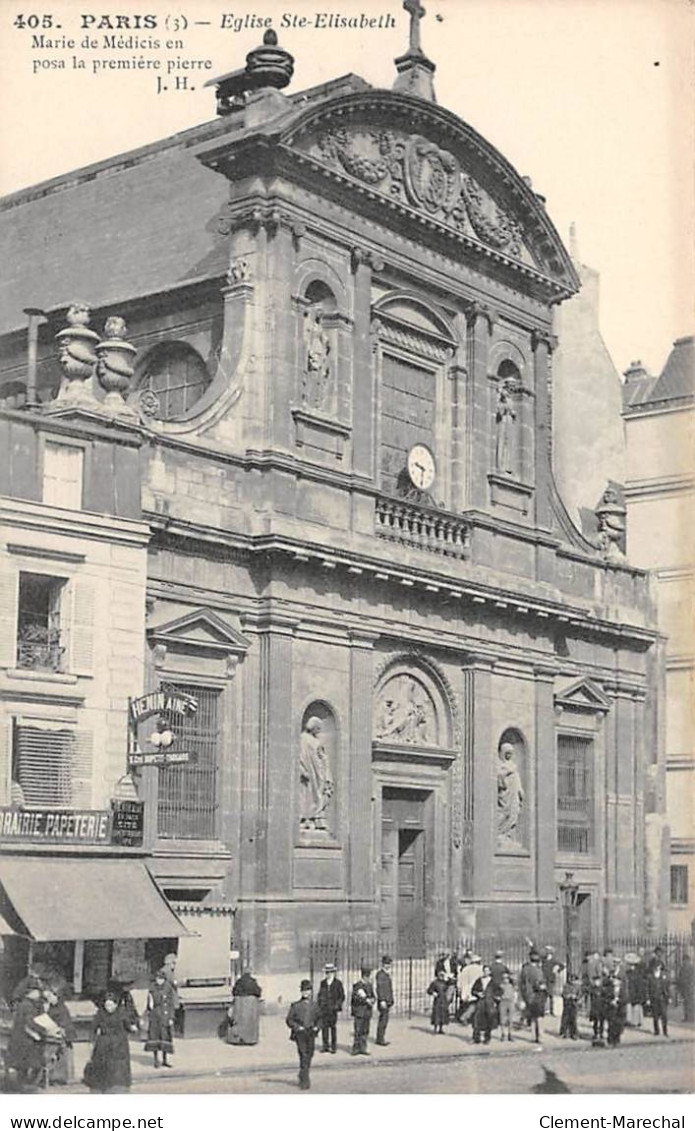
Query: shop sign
[[127, 823], [55, 826], [155, 721], [158, 758]]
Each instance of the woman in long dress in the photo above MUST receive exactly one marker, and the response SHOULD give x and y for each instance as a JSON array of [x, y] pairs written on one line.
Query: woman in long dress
[[108, 1070], [441, 992], [243, 1014]]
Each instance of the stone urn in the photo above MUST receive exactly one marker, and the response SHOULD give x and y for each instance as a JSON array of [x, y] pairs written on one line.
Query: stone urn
[[114, 365], [77, 344]]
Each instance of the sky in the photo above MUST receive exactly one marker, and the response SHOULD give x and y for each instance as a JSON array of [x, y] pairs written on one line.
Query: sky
[[591, 98]]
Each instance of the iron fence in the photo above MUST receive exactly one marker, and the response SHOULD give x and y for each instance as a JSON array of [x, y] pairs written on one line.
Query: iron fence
[[411, 974]]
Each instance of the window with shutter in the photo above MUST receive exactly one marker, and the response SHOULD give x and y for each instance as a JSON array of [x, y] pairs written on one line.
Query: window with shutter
[[40, 640], [575, 793], [52, 766], [81, 627], [187, 801], [62, 475], [8, 614], [5, 760]]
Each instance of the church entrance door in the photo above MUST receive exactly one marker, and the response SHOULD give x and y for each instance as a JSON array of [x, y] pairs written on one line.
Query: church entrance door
[[406, 867]]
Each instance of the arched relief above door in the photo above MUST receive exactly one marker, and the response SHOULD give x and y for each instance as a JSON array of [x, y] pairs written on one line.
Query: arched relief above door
[[413, 711]]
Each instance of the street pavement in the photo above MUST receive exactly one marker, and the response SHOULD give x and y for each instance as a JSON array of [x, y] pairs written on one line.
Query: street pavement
[[417, 1061]]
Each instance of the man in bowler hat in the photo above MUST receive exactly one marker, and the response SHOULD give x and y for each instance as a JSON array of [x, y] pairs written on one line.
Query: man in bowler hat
[[303, 1021], [361, 1004], [384, 998], [331, 1000]]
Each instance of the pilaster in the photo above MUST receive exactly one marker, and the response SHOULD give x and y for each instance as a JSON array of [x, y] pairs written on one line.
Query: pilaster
[[478, 799], [360, 863], [544, 769], [543, 344], [363, 446], [480, 321]]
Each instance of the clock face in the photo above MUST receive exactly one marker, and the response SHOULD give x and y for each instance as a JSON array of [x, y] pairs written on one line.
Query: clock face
[[421, 467]]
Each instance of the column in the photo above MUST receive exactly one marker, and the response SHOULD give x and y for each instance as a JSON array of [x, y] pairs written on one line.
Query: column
[[478, 765], [480, 321], [278, 762], [542, 343], [363, 444], [360, 881], [544, 774]]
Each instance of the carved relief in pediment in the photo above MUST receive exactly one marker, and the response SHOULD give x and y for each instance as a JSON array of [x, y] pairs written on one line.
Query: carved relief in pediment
[[416, 171]]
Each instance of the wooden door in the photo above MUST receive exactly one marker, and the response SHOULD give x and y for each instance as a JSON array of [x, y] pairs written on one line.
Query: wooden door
[[411, 892]]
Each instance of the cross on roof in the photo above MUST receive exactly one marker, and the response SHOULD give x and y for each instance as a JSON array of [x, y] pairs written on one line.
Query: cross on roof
[[416, 11]]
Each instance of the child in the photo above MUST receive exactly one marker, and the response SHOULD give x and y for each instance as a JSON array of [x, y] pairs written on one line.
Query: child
[[439, 989], [570, 1005], [161, 1007], [506, 1005]]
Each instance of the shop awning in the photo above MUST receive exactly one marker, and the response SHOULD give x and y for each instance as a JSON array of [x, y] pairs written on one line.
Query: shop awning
[[88, 899], [5, 928]]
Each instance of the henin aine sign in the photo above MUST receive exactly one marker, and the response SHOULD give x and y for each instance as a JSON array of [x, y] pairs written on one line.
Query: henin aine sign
[[55, 826]]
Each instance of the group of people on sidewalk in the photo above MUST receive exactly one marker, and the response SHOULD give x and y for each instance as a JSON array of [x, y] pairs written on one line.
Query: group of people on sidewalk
[[40, 1047], [612, 991], [306, 1017]]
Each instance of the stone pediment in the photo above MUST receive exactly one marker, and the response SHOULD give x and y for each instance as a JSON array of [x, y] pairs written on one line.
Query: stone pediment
[[419, 160], [200, 629], [581, 695]]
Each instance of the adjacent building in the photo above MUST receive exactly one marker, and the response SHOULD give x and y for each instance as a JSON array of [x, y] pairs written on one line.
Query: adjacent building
[[659, 414], [294, 463]]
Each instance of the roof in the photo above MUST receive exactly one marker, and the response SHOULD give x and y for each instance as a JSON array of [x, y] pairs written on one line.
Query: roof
[[676, 381], [137, 223]]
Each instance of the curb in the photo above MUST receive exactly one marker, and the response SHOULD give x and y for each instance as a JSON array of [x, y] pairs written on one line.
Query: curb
[[392, 1061]]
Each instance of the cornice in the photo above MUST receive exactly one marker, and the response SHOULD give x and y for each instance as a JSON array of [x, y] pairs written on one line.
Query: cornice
[[84, 525], [375, 568]]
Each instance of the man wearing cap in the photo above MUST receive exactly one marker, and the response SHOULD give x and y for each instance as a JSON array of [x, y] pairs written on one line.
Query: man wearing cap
[[384, 998], [303, 1022], [331, 999], [498, 968], [361, 1004]]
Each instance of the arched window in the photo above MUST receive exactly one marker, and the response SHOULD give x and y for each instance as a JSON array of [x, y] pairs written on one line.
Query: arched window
[[176, 375]]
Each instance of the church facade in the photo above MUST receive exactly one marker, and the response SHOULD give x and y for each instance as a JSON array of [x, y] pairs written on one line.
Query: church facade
[[423, 695]]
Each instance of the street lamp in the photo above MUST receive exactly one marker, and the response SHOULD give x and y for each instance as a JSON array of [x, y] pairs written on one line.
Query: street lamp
[[568, 894]]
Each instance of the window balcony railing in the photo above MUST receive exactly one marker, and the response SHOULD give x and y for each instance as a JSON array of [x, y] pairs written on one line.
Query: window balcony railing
[[434, 531], [39, 647]]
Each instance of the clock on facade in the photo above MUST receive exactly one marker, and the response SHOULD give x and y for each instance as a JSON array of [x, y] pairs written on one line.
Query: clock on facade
[[421, 467]]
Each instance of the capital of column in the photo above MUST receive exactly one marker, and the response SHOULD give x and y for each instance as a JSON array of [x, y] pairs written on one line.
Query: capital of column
[[476, 310], [543, 337], [362, 257]]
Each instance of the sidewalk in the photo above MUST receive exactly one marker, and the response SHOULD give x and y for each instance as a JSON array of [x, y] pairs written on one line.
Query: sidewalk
[[410, 1040]]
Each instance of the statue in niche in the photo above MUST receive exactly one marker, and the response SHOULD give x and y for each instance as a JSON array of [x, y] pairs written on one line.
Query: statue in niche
[[315, 781], [405, 714], [505, 417], [317, 369], [510, 794]]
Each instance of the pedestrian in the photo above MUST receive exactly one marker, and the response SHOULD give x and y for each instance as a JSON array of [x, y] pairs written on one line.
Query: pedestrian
[[472, 970], [533, 992], [637, 991], [571, 992], [658, 991], [62, 1068], [551, 968], [331, 1000], [243, 1015], [615, 1009], [609, 961], [440, 991], [24, 1055], [485, 1017], [498, 968], [685, 984], [169, 968], [384, 998], [507, 999], [303, 1022], [161, 1009], [108, 1069], [361, 1005], [597, 1008]]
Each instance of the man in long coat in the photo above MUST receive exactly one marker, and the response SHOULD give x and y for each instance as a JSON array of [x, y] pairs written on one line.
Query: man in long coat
[[384, 998], [331, 999], [303, 1022], [361, 1005], [658, 990]]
